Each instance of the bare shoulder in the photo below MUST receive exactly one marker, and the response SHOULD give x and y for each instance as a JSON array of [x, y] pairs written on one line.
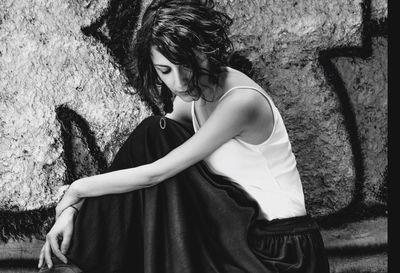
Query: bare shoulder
[[242, 91], [249, 101], [248, 98]]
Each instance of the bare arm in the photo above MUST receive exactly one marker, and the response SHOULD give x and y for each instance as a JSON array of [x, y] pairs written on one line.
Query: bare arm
[[228, 120]]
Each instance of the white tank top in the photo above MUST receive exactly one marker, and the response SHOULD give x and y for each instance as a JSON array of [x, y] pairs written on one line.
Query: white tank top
[[267, 171]]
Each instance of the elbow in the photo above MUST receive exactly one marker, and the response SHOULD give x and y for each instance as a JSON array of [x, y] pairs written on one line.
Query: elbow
[[150, 181], [154, 180], [157, 176], [160, 177]]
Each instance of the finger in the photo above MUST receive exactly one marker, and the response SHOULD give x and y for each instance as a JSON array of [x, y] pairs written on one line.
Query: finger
[[65, 242], [55, 248], [41, 257], [47, 255]]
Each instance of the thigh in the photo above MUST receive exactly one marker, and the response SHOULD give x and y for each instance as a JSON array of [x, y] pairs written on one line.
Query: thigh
[[108, 231]]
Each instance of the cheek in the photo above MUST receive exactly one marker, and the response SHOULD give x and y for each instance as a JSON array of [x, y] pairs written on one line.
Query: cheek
[[164, 79], [160, 77]]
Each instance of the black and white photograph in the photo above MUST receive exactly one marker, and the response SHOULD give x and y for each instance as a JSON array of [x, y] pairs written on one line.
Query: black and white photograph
[[194, 136]]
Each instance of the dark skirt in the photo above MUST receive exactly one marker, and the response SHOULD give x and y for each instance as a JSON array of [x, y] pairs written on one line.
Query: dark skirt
[[195, 221]]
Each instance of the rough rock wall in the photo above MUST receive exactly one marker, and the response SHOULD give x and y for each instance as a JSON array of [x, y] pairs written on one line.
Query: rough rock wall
[[47, 63], [66, 107], [369, 97], [329, 81]]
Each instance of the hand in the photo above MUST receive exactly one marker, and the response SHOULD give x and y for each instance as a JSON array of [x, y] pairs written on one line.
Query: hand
[[70, 198], [62, 229]]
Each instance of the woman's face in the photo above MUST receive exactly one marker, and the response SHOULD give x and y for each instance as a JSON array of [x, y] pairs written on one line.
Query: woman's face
[[175, 77]]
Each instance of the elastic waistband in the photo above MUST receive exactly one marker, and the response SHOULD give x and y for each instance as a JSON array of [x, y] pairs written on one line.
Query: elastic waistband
[[293, 225]]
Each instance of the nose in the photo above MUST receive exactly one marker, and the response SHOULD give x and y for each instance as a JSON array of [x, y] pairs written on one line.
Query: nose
[[182, 79]]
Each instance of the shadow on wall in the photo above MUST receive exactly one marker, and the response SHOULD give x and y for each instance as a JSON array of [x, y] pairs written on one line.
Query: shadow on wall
[[124, 12], [356, 208]]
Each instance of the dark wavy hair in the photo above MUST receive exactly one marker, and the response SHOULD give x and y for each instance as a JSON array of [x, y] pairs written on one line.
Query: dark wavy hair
[[179, 30]]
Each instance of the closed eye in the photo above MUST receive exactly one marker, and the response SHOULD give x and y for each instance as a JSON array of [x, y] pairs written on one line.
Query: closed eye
[[163, 69]]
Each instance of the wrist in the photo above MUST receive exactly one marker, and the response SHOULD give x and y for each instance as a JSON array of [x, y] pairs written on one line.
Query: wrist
[[71, 211]]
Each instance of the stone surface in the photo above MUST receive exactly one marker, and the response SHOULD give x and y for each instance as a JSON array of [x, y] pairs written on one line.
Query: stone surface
[[283, 40], [376, 263], [46, 62], [369, 97], [290, 31], [379, 9], [354, 236]]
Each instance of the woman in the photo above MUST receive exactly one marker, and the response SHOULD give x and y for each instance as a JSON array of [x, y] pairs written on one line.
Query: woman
[[227, 198]]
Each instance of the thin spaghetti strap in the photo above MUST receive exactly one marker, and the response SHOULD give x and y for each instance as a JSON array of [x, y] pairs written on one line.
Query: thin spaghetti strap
[[244, 87], [195, 122]]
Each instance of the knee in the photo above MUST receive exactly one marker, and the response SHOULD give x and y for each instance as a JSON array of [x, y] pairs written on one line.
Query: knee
[[151, 121], [159, 127], [153, 124], [156, 123]]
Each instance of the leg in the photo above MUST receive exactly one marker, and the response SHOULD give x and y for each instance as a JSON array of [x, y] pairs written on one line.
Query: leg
[[112, 226], [193, 222]]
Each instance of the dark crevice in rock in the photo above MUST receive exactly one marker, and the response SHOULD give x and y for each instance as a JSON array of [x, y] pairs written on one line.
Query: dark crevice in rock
[[67, 119], [19, 263], [351, 214], [370, 29], [25, 224], [17, 225], [66, 135], [350, 123], [115, 29], [357, 250]]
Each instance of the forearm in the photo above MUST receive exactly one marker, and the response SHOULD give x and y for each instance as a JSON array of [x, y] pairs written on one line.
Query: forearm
[[131, 179], [115, 182]]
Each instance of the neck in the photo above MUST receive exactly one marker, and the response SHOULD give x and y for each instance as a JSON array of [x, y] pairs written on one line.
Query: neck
[[213, 91]]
